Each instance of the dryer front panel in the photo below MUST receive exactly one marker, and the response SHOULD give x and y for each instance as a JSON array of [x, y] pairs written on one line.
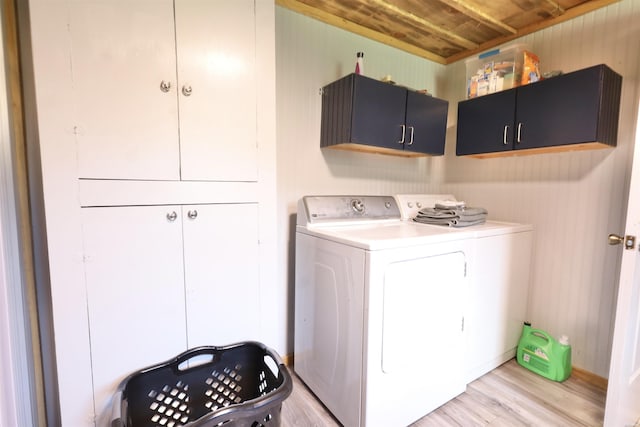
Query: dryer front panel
[[415, 336], [329, 294]]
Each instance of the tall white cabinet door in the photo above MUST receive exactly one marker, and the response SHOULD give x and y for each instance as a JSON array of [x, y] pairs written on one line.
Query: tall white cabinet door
[[221, 273], [135, 291], [217, 95], [122, 52]]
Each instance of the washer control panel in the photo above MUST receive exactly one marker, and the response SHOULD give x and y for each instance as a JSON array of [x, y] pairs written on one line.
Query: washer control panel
[[319, 209]]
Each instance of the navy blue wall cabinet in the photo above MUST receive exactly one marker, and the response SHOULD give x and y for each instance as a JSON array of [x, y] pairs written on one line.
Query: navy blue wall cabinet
[[575, 111], [363, 114]]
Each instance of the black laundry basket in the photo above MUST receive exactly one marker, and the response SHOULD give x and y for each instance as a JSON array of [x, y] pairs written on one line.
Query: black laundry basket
[[238, 385]]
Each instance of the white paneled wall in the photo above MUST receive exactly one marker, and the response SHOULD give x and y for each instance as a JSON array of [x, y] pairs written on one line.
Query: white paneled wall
[[573, 199]]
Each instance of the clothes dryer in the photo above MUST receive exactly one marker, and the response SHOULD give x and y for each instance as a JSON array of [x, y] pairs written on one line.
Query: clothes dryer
[[379, 309]]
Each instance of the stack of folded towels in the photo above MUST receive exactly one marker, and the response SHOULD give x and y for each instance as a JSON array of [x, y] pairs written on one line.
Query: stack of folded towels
[[452, 214]]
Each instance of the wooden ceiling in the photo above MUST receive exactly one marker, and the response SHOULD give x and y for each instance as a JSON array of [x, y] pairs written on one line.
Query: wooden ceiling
[[443, 31]]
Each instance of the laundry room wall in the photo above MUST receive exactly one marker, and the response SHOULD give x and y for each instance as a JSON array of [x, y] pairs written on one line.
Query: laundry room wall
[[573, 199], [310, 55]]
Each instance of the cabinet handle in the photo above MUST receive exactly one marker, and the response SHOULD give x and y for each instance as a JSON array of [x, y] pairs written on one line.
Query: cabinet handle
[[504, 135], [404, 129], [519, 132], [186, 90], [410, 136], [192, 214], [172, 216], [165, 86]]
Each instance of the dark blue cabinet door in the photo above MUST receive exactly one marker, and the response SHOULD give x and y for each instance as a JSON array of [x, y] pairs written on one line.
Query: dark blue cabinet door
[[426, 122], [559, 111], [378, 113], [486, 124]]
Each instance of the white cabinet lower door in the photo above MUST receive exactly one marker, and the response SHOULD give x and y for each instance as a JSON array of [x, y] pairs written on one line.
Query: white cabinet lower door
[[215, 45], [135, 292], [126, 125], [221, 273]]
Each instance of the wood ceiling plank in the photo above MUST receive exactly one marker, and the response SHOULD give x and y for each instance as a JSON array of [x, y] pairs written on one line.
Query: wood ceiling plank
[[361, 30], [571, 13], [443, 31], [431, 27], [474, 12], [558, 10]]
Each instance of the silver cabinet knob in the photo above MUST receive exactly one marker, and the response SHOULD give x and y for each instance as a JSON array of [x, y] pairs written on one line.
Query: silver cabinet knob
[[165, 86], [172, 216], [192, 214], [186, 90]]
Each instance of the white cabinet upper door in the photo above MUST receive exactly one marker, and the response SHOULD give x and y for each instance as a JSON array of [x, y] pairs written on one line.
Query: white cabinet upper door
[[215, 45], [164, 90], [221, 273], [135, 292], [122, 56]]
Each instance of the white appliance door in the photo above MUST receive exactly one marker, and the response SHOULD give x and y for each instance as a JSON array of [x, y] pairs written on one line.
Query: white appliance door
[[623, 393], [415, 333]]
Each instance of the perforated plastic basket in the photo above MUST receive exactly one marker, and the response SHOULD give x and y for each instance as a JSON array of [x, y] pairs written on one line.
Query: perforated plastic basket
[[238, 385]]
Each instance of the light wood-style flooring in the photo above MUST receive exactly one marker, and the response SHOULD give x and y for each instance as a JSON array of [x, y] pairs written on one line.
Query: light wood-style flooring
[[507, 396]]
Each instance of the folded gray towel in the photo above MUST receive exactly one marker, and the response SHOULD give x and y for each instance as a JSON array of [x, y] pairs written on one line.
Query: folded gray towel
[[462, 217], [460, 223], [461, 211], [435, 221], [450, 205]]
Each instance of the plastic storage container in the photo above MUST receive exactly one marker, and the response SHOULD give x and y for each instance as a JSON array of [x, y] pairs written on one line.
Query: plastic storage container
[[541, 353], [501, 69], [239, 385]]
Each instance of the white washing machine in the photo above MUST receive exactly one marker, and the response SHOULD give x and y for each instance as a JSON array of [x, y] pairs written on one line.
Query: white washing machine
[[379, 309], [498, 285]]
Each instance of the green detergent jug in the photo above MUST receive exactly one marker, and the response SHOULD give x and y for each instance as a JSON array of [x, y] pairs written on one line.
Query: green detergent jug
[[541, 353]]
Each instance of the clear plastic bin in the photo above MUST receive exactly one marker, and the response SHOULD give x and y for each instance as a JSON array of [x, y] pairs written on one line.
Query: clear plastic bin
[[501, 69]]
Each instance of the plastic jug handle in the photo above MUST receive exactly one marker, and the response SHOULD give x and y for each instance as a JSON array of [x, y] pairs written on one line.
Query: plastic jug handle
[[541, 334]]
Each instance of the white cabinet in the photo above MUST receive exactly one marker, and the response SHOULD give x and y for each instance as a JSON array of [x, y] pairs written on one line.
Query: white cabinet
[[221, 273], [135, 296], [216, 62], [164, 90], [121, 145], [161, 279]]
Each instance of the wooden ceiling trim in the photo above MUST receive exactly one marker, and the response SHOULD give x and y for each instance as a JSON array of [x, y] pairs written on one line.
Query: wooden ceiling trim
[[352, 27], [569, 14], [431, 27], [463, 6]]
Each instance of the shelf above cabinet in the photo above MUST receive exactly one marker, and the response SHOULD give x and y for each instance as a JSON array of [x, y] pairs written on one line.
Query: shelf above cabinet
[[576, 111], [367, 115]]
